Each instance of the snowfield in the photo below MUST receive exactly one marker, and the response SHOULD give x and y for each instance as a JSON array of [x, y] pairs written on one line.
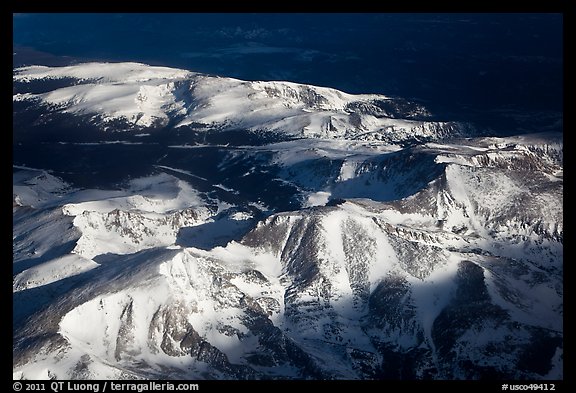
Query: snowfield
[[147, 96]]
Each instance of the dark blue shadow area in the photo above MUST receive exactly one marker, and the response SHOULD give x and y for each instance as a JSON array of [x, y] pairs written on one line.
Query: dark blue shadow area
[[393, 177], [386, 177], [464, 66], [104, 259], [213, 234]]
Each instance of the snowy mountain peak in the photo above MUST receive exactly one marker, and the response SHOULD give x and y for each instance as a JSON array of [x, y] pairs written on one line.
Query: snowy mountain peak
[[101, 72]]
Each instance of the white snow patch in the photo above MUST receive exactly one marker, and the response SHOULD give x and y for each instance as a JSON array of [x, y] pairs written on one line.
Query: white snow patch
[[236, 254], [241, 216], [48, 272], [319, 198]]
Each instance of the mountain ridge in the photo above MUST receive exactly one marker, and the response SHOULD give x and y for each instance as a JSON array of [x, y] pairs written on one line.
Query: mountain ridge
[[141, 97]]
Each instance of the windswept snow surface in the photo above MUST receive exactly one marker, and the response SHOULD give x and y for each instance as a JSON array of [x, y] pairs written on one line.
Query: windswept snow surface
[[147, 96], [440, 258], [139, 93]]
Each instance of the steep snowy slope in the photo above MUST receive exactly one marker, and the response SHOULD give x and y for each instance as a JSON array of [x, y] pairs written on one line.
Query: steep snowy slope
[[142, 96], [457, 276], [57, 234]]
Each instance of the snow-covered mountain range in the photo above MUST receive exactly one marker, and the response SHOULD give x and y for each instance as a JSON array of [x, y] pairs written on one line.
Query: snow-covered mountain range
[[342, 253]]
